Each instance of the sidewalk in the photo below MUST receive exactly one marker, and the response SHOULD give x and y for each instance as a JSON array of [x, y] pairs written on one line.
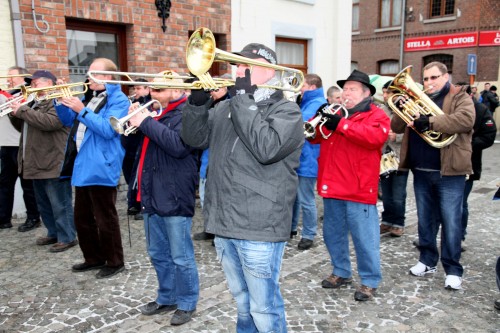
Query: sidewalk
[[39, 293]]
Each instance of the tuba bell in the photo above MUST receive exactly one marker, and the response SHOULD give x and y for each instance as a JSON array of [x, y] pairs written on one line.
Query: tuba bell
[[409, 102]]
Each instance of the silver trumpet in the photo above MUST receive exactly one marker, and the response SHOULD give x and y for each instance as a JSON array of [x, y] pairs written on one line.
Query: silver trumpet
[[319, 121], [122, 125], [6, 107]]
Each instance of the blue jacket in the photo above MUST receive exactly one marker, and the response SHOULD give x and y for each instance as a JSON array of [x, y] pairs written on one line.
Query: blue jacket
[[311, 101], [99, 160], [170, 168]]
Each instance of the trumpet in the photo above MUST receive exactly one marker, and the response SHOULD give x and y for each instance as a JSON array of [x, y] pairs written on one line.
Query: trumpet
[[57, 91], [6, 107], [122, 125], [319, 121], [201, 54], [164, 84]]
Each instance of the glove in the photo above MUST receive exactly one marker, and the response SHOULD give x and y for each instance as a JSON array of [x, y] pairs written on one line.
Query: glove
[[199, 97], [421, 124], [332, 122], [243, 85], [319, 111]]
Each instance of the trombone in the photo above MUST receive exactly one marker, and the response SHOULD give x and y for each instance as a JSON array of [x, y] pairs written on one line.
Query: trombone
[[57, 91], [6, 107], [201, 54], [122, 125], [164, 84]]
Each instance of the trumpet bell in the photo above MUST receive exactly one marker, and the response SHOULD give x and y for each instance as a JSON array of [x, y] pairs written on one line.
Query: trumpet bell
[[117, 125]]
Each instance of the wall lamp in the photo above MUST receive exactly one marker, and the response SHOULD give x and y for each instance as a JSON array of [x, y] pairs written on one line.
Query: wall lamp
[[163, 7]]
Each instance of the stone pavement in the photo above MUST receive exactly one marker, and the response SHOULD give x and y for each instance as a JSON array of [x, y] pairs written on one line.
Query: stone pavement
[[39, 293]]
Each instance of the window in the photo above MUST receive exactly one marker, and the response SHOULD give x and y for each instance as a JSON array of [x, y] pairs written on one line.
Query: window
[[390, 13], [442, 8], [388, 67], [355, 15], [87, 40], [292, 53]]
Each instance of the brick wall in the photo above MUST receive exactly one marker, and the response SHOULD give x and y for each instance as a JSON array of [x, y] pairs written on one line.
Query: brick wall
[[148, 48]]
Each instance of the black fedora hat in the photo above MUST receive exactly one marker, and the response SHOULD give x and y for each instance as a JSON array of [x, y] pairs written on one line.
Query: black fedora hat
[[358, 77]]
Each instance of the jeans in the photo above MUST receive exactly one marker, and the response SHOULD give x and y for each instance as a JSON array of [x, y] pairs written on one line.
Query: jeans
[[306, 201], [252, 272], [394, 198], [53, 197], [361, 221], [201, 190], [8, 178], [170, 247], [465, 206], [439, 200]]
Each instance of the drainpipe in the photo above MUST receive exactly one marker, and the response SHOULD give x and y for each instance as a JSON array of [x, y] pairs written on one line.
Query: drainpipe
[[18, 33], [401, 48]]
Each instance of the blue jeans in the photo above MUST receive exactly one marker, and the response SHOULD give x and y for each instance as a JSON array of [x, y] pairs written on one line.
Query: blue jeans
[[361, 220], [465, 206], [306, 202], [394, 198], [54, 201], [170, 247], [439, 200], [252, 272]]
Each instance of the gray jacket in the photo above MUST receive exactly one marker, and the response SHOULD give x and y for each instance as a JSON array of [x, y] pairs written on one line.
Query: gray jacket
[[254, 153]]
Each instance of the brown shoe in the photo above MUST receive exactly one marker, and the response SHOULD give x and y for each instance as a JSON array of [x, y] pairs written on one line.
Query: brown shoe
[[364, 293], [397, 232], [60, 247], [46, 241], [384, 228], [334, 281]]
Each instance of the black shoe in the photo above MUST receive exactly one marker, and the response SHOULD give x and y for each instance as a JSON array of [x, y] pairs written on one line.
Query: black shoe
[[6, 225], [203, 236], [153, 308], [30, 224], [293, 234], [181, 317], [138, 217], [133, 211], [108, 271], [305, 244], [416, 243], [497, 304], [83, 267]]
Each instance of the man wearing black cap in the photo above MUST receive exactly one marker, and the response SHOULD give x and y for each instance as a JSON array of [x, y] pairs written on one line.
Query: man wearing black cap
[[255, 139], [41, 152], [348, 175], [9, 142]]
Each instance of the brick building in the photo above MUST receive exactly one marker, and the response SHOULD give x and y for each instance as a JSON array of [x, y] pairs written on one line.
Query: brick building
[[442, 30]]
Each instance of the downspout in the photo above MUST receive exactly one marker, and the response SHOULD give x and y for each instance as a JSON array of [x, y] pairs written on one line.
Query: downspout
[[17, 32], [402, 37]]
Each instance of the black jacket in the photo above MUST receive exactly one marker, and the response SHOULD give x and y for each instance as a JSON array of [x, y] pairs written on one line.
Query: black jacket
[[483, 137]]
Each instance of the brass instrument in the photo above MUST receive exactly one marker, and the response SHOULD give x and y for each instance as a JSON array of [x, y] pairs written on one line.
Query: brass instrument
[[165, 77], [122, 125], [57, 91], [319, 121], [14, 75], [6, 107], [389, 163], [409, 102], [201, 54]]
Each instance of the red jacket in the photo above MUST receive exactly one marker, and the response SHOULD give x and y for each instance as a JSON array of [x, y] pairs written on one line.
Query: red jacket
[[349, 161]]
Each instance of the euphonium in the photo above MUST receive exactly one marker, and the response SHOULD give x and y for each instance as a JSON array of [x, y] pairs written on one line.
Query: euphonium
[[319, 121], [6, 107], [122, 125], [409, 102]]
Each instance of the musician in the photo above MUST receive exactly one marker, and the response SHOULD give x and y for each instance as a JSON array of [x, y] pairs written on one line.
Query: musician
[[9, 149], [313, 97], [439, 174], [166, 176], [93, 160], [255, 139], [41, 152], [349, 164], [393, 184]]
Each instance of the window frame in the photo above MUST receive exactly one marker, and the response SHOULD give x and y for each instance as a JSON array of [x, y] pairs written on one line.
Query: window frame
[[355, 4], [443, 5], [303, 42], [391, 16]]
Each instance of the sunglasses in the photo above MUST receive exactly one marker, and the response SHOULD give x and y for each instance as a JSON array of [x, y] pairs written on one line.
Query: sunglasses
[[434, 77]]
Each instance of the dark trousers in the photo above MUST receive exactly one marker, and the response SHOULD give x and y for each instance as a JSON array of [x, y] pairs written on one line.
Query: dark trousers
[[8, 178], [129, 175], [97, 225]]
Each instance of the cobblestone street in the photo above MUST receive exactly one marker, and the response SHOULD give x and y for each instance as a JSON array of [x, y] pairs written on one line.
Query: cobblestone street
[[39, 293]]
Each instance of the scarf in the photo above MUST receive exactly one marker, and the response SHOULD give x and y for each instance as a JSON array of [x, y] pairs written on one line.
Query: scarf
[[362, 106], [171, 106]]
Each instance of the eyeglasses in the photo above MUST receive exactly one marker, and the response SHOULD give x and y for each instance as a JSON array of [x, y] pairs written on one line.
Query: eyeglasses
[[434, 77]]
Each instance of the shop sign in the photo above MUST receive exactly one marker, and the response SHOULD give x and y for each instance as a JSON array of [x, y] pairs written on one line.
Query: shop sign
[[489, 38], [451, 41]]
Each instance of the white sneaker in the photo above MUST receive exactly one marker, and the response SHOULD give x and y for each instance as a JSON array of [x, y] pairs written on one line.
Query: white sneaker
[[421, 269], [453, 282]]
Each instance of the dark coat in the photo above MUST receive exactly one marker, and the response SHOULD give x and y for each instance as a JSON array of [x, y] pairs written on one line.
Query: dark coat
[[483, 137]]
